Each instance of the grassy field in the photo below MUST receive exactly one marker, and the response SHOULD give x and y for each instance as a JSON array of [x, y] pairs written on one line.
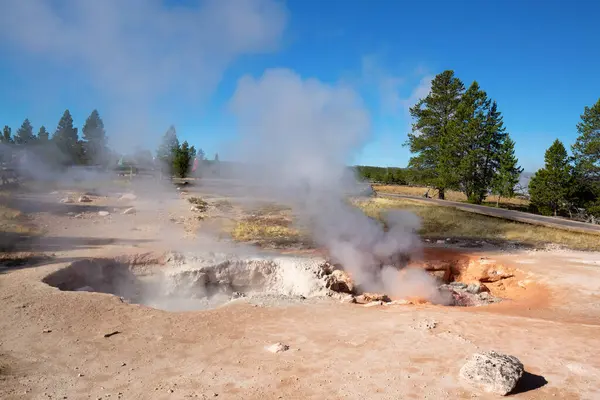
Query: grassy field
[[444, 222], [514, 204], [273, 227]]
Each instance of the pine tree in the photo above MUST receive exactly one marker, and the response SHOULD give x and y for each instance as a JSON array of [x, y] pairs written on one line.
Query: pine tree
[[168, 149], [508, 173], [24, 134], [467, 143], [550, 187], [43, 136], [201, 155], [184, 157], [216, 157], [6, 135], [94, 139], [586, 155], [430, 137], [66, 139]]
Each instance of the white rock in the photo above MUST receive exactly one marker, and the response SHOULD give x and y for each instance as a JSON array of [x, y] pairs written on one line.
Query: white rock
[[103, 213], [374, 303], [128, 196], [492, 372], [66, 200], [84, 199], [85, 289], [278, 348], [130, 210]]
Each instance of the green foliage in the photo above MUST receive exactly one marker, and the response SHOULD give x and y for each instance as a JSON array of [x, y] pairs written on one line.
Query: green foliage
[[183, 158], [43, 136], [551, 186], [586, 156], [67, 141], [25, 134], [388, 176], [430, 138], [94, 139], [6, 135], [168, 149], [508, 173], [458, 138]]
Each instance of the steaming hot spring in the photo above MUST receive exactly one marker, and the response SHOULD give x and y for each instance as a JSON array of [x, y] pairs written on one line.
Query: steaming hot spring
[[180, 282]]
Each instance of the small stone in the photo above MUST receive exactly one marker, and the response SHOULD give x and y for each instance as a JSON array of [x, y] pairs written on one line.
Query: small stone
[[348, 300], [278, 348], [130, 210], [47, 331], [440, 242], [374, 303], [476, 288], [84, 199], [78, 215], [368, 297], [492, 372], [103, 213], [66, 200], [79, 375]]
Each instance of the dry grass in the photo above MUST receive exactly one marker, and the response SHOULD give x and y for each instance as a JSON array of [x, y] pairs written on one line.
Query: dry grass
[[451, 195], [270, 225], [201, 204], [447, 222], [14, 228]]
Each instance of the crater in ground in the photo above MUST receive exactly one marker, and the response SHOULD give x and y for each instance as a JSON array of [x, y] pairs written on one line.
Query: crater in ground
[[178, 282]]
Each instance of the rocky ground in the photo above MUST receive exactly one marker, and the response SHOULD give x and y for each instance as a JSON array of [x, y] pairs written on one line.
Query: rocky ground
[[82, 345]]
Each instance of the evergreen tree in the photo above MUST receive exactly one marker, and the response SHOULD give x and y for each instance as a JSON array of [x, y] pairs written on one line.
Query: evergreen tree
[[508, 173], [6, 135], [586, 155], [201, 155], [467, 143], [430, 137], [550, 187], [43, 136], [216, 157], [183, 159], [168, 150], [24, 134], [94, 139], [66, 139]]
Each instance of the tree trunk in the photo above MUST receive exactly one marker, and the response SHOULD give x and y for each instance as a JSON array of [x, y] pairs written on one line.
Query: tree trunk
[[441, 194], [498, 202]]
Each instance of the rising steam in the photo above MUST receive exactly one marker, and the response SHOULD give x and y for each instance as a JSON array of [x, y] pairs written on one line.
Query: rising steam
[[305, 133]]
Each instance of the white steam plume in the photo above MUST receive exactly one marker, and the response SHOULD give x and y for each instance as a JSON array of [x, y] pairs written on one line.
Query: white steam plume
[[303, 134]]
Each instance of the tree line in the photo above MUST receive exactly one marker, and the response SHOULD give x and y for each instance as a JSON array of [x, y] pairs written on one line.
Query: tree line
[[568, 184], [90, 149], [65, 147]]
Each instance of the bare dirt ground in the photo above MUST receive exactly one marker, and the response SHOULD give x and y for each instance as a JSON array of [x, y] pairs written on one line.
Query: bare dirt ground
[[52, 343]]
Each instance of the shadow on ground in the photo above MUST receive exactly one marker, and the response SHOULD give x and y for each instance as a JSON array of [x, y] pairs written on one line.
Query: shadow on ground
[[528, 383]]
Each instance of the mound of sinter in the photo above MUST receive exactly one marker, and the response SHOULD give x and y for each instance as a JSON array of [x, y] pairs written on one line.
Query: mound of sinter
[[178, 282]]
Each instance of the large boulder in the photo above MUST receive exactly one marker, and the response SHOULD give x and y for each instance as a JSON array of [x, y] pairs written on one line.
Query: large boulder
[[492, 372]]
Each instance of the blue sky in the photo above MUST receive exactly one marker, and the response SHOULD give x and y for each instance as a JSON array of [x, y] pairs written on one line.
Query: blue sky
[[538, 59]]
